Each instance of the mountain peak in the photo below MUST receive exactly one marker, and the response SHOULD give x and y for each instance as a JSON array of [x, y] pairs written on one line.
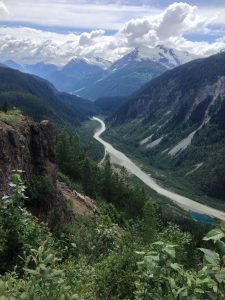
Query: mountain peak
[[168, 57], [14, 65], [92, 61]]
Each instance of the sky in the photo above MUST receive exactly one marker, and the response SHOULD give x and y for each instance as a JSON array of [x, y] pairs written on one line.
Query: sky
[[55, 31]]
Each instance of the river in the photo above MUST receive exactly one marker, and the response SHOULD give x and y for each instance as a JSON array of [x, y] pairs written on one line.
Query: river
[[122, 160]]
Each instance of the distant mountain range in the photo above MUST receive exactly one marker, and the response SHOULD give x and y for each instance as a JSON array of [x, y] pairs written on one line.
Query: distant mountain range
[[95, 77], [176, 122]]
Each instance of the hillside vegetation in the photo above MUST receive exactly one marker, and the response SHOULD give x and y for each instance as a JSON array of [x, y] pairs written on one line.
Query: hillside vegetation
[[175, 124], [39, 99], [123, 251]]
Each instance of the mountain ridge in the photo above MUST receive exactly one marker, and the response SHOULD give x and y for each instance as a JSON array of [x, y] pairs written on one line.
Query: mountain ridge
[[95, 77], [39, 99], [176, 122]]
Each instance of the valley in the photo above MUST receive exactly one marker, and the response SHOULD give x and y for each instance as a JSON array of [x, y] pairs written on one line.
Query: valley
[[175, 127], [119, 158], [112, 150]]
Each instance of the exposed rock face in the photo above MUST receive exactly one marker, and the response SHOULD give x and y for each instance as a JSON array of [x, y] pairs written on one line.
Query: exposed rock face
[[30, 146], [26, 146]]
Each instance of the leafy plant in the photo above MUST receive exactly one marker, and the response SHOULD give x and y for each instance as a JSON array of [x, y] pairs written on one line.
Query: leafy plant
[[161, 277]]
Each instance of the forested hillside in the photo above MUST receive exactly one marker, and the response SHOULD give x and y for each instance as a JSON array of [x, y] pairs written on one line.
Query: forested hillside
[[176, 124], [122, 250], [39, 99], [108, 105]]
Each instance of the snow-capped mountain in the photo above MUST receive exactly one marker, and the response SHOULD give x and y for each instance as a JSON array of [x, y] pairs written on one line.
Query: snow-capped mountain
[[81, 66], [98, 61], [89, 64], [168, 57], [133, 70], [94, 77]]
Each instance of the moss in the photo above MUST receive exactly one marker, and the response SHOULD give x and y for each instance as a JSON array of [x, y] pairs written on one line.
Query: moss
[[12, 117], [69, 201]]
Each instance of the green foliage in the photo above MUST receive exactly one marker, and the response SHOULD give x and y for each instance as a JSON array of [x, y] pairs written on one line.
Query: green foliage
[[73, 185], [68, 154], [11, 117], [13, 219], [69, 201], [116, 274], [96, 237], [161, 277], [4, 107], [42, 280], [197, 170], [39, 192], [88, 144], [38, 99], [183, 241], [150, 222], [100, 183], [99, 260], [108, 105]]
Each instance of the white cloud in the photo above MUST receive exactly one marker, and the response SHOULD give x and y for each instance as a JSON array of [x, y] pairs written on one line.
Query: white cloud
[[32, 45], [167, 27], [87, 39], [3, 8], [178, 19], [73, 14]]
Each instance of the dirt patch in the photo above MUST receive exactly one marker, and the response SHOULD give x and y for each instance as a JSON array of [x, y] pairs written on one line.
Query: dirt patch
[[81, 205]]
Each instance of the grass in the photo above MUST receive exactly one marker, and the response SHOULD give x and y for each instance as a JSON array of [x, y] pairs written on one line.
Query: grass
[[12, 117]]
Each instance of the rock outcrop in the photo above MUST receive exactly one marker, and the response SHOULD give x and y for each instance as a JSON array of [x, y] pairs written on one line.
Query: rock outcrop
[[29, 146], [26, 146]]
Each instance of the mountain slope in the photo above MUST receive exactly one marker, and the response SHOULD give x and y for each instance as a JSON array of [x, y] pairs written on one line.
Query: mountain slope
[[77, 74], [177, 123], [41, 69], [108, 105], [14, 65], [123, 77], [39, 99], [94, 77]]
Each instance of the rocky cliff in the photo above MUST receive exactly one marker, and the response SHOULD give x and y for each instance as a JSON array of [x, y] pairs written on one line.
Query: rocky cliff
[[30, 146]]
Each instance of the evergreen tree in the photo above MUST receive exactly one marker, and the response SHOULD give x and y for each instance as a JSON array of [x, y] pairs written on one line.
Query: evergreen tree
[[149, 221], [89, 180], [4, 107], [107, 180]]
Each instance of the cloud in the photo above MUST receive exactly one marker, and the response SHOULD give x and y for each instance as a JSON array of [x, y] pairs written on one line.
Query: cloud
[[31, 45], [105, 14], [87, 39], [3, 8], [177, 20], [168, 27]]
